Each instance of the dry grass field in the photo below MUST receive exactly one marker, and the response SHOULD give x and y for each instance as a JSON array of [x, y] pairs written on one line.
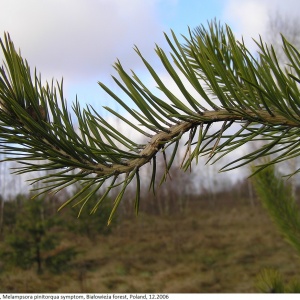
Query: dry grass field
[[215, 249]]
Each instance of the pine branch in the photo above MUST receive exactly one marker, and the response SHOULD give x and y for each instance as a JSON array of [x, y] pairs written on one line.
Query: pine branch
[[277, 198], [233, 87]]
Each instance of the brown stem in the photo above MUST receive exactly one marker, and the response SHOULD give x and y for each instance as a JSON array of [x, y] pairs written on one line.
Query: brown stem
[[161, 138]]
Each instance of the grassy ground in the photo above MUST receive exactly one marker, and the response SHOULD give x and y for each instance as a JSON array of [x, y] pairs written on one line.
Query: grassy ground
[[209, 249]]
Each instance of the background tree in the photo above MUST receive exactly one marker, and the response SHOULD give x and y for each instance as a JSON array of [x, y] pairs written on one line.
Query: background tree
[[34, 238], [279, 25], [232, 86]]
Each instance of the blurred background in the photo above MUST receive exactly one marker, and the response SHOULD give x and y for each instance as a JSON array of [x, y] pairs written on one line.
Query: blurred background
[[200, 232]]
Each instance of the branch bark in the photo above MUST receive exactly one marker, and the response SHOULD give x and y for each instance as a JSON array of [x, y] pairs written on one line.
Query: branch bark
[[160, 139]]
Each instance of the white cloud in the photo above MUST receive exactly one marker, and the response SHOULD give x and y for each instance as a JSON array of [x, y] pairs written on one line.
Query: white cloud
[[83, 37], [246, 18]]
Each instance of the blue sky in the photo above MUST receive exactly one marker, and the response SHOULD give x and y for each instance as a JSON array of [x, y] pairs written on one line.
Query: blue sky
[[81, 39], [189, 13]]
